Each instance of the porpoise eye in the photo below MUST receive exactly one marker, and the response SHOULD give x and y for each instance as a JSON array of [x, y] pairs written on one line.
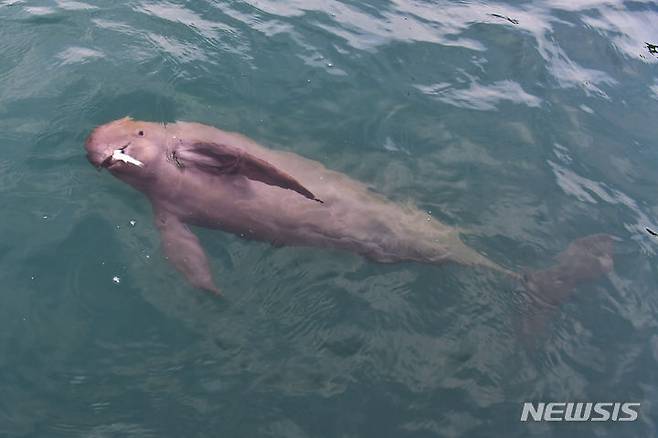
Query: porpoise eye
[[141, 133]]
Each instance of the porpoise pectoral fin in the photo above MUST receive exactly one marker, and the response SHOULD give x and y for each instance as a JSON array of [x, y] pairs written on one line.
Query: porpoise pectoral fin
[[224, 159], [184, 251]]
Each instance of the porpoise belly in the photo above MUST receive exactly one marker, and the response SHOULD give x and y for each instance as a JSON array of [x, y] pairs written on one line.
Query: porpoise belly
[[350, 218]]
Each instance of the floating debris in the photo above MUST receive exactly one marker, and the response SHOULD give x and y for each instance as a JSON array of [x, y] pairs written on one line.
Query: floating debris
[[505, 17]]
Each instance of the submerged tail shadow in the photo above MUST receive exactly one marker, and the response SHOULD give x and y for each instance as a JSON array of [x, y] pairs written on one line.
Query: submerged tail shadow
[[585, 260]]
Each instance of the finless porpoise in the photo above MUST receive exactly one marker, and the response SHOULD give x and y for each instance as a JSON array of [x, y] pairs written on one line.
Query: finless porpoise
[[199, 175]]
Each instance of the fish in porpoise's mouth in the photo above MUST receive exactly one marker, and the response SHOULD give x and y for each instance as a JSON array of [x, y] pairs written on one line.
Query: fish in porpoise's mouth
[[120, 155]]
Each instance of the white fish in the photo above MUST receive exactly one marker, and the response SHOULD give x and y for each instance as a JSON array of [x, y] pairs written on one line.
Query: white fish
[[119, 155]]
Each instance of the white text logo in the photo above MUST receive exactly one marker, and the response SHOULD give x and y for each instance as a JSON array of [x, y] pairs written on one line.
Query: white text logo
[[577, 411]]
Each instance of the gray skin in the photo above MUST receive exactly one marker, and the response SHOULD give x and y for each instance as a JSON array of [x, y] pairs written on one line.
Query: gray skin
[[195, 174]]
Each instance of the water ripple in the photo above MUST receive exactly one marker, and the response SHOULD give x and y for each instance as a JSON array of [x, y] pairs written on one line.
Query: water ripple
[[525, 131], [179, 14], [71, 5], [77, 55], [481, 97]]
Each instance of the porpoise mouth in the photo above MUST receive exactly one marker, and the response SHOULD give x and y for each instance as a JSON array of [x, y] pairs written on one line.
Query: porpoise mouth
[[120, 156]]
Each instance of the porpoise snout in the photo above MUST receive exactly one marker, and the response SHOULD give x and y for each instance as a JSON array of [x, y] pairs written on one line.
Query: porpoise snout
[[102, 154], [99, 153], [95, 154]]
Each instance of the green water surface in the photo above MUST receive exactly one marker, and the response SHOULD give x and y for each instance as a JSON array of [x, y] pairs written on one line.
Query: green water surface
[[528, 135]]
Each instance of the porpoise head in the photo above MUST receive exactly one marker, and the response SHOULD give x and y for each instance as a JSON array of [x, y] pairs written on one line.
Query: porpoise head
[[137, 152], [125, 147]]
